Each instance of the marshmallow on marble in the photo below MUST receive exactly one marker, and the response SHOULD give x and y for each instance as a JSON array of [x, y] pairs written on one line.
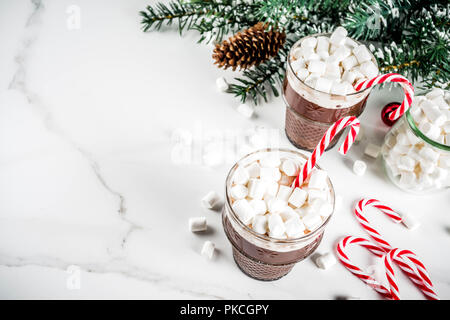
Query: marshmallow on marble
[[276, 226], [339, 36], [244, 211], [208, 249], [260, 224], [245, 109], [325, 261], [221, 84], [259, 206], [289, 167], [210, 200], [284, 192], [256, 189], [318, 179], [362, 54], [410, 222], [372, 150], [294, 227], [239, 191], [197, 224], [359, 167], [298, 197], [270, 174]]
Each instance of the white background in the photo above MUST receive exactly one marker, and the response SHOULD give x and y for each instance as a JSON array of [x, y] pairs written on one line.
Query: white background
[[87, 178]]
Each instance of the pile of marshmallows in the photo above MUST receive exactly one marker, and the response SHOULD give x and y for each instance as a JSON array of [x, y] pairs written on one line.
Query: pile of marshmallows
[[263, 199], [332, 64], [417, 165]]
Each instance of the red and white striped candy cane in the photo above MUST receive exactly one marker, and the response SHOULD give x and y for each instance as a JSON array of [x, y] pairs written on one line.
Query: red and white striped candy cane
[[411, 265], [359, 213], [418, 274], [408, 89], [357, 271], [332, 131]]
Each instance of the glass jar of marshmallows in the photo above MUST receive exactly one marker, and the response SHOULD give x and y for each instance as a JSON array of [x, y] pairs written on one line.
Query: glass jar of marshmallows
[[416, 151]]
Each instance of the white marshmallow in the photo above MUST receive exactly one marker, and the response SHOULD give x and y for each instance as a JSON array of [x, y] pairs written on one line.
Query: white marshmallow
[[253, 170], [424, 181], [312, 221], [362, 53], [244, 211], [446, 127], [340, 54], [276, 226], [294, 227], [412, 138], [314, 194], [359, 167], [302, 73], [298, 197], [372, 150], [429, 154], [259, 206], [369, 69], [289, 167], [339, 88], [325, 209], [433, 113], [349, 42], [324, 55], [284, 192], [271, 189], [221, 84], [406, 163], [246, 110], [288, 213], [440, 102], [210, 200], [323, 84], [317, 66], [323, 44], [276, 205], [318, 179], [326, 261], [333, 71], [430, 130], [309, 42], [208, 249], [310, 55], [241, 176], [339, 36], [197, 224], [260, 224], [271, 174], [349, 62], [407, 178], [256, 189], [410, 222], [311, 80], [239, 191], [298, 64], [302, 212], [297, 53], [349, 76], [270, 160], [439, 174], [427, 166], [436, 92]]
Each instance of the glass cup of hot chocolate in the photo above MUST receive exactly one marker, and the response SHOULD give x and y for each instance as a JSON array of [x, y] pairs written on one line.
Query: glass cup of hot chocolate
[[318, 86], [270, 224]]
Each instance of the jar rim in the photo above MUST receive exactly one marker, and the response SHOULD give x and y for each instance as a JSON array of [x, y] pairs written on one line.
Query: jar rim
[[268, 238], [421, 135], [295, 45]]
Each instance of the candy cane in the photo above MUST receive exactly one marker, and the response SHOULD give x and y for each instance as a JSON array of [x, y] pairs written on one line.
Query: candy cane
[[342, 123], [359, 208], [362, 275], [408, 262], [418, 274], [391, 77]]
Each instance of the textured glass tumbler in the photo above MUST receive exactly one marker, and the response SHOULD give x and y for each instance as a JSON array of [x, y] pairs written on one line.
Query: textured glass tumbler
[[260, 256], [309, 112]]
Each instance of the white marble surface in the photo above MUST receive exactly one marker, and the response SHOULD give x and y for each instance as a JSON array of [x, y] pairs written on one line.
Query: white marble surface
[[87, 178]]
